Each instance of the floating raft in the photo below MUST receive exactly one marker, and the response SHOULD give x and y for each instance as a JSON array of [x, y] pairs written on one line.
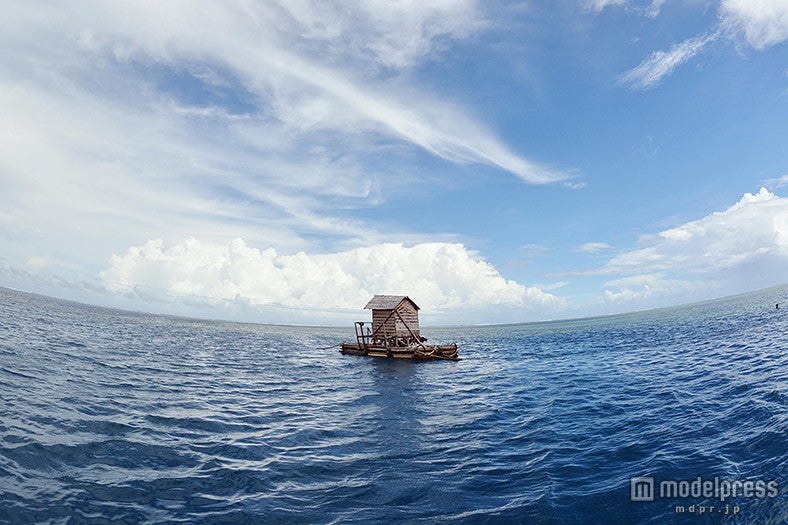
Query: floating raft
[[413, 351], [395, 332]]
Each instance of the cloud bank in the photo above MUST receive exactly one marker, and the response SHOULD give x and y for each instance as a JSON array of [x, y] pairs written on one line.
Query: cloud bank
[[440, 277], [744, 247]]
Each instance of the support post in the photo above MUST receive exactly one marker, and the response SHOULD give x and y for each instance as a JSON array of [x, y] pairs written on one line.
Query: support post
[[417, 339]]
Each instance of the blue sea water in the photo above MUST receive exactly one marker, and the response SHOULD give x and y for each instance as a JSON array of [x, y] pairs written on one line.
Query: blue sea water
[[113, 416]]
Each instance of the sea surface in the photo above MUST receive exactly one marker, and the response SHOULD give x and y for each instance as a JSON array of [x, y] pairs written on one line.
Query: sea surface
[[109, 416]]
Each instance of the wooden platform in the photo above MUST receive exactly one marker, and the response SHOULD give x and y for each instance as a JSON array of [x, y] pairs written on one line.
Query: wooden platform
[[413, 351]]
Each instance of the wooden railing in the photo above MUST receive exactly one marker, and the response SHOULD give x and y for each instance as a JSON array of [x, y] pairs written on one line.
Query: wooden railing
[[363, 338]]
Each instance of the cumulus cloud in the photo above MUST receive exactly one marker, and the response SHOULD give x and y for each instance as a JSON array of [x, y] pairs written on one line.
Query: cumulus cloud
[[660, 64], [743, 247], [756, 226], [763, 23], [439, 276]]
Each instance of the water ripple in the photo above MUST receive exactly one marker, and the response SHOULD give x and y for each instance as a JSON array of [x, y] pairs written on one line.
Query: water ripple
[[111, 416]]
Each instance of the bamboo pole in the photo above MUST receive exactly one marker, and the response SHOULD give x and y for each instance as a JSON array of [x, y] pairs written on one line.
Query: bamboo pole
[[383, 325], [415, 338]]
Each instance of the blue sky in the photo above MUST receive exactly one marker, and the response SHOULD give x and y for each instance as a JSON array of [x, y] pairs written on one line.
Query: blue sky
[[497, 161]]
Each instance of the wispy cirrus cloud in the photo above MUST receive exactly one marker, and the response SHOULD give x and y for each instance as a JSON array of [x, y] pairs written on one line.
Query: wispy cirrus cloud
[[776, 183], [313, 67], [598, 5], [762, 23], [593, 247], [660, 64], [651, 9]]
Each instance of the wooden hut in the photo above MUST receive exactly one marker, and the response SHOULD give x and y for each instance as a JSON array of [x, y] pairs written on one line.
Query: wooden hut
[[395, 332], [395, 318]]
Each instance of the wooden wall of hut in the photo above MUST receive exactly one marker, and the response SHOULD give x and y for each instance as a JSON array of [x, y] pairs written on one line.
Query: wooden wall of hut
[[394, 326]]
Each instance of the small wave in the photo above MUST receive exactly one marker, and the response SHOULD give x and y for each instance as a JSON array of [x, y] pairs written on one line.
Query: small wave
[[16, 373]]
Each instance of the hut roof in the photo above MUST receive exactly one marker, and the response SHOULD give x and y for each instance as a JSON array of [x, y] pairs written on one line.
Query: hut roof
[[388, 302]]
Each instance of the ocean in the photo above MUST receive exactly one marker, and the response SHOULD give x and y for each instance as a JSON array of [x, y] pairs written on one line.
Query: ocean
[[109, 416]]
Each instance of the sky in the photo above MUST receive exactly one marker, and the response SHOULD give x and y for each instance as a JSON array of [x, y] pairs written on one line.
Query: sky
[[283, 161]]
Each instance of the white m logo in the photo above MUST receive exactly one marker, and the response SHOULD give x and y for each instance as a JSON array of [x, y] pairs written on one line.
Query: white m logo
[[641, 489]]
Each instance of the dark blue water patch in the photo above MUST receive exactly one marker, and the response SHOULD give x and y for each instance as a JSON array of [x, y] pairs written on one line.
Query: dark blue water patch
[[111, 416]]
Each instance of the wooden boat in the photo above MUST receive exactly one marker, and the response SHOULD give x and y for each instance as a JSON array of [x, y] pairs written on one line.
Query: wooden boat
[[395, 332]]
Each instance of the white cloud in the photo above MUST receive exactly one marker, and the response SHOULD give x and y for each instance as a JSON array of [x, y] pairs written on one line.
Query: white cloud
[[660, 64], [549, 287], [651, 10], [635, 280], [311, 65], [272, 122], [644, 288], [534, 250], [398, 33], [439, 276], [776, 183], [36, 263], [593, 247], [763, 23], [598, 5], [742, 247]]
